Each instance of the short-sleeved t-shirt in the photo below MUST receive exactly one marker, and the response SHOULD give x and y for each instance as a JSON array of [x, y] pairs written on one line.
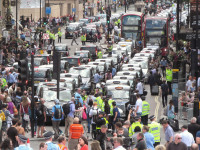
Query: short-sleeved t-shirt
[[139, 103], [116, 110], [54, 109], [198, 135], [141, 145], [189, 84]]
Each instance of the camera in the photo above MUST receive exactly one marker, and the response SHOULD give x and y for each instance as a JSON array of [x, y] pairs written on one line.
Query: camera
[[109, 133]]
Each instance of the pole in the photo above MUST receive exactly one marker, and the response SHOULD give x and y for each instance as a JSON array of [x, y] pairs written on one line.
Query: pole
[[177, 26], [197, 40], [32, 96], [48, 6], [188, 14], [16, 23], [125, 5], [40, 24]]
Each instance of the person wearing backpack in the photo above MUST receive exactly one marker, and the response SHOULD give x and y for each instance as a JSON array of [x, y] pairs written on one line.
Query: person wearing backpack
[[164, 92], [69, 110], [89, 107], [57, 114]]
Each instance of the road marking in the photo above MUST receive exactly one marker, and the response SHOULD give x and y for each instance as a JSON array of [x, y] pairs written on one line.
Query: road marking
[[157, 106]]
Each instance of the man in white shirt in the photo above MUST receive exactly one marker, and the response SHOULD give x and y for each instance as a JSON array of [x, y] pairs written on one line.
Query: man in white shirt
[[138, 106], [186, 136], [189, 83], [118, 144], [139, 87]]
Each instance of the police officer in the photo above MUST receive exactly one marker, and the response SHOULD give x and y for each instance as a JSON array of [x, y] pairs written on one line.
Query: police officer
[[100, 102], [101, 121], [145, 112], [154, 129], [22, 141], [48, 138], [169, 78], [83, 38], [99, 54], [134, 124], [59, 36], [119, 21], [53, 38], [111, 117], [116, 22]]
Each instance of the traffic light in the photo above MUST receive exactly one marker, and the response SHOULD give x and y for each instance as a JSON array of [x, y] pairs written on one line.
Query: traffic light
[[107, 15], [56, 64], [23, 70]]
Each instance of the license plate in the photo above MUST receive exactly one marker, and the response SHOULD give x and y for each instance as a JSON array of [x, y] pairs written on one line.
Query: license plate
[[36, 81]]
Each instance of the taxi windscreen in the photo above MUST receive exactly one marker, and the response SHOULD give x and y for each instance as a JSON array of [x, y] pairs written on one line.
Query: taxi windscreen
[[119, 94]]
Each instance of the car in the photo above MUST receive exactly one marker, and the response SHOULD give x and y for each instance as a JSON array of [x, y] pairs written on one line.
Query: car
[[128, 73], [120, 51], [101, 66], [109, 62], [85, 55], [123, 96], [73, 61], [47, 58], [143, 55], [49, 95], [41, 75], [63, 49], [87, 74], [93, 50], [70, 83], [37, 62], [88, 36], [117, 81], [116, 60], [74, 76], [91, 19], [95, 67], [131, 79], [85, 20], [69, 31]]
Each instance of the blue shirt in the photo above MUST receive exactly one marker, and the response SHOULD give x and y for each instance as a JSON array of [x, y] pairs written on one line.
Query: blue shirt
[[168, 133], [53, 111], [80, 98], [10, 78], [149, 138], [113, 71], [116, 110], [163, 63], [97, 78], [52, 146], [23, 147], [198, 135], [72, 110], [170, 112]]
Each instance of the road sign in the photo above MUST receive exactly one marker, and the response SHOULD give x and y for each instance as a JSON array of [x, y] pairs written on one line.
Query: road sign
[[45, 36], [48, 10], [73, 9]]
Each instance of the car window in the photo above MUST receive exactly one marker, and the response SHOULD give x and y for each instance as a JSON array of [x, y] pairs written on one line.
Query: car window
[[39, 74], [49, 95], [72, 60], [85, 73], [118, 94]]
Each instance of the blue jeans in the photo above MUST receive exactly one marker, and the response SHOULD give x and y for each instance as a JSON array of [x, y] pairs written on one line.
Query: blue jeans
[[89, 122], [139, 114]]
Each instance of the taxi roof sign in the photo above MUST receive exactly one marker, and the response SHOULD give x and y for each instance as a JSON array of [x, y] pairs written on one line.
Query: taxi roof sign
[[118, 88], [175, 70]]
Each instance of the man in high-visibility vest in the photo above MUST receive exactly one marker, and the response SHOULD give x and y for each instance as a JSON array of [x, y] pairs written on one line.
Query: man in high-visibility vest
[[169, 74], [135, 124], [116, 23], [119, 21], [59, 36], [110, 101], [154, 129], [83, 39], [99, 54], [145, 112], [100, 102], [51, 37], [100, 121], [110, 47]]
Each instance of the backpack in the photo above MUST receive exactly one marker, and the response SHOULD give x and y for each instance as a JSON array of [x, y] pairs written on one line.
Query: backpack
[[66, 108], [38, 111], [2, 115], [95, 117], [58, 113]]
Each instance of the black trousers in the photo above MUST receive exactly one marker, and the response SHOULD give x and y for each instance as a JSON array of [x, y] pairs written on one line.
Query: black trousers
[[170, 87], [163, 71], [83, 42], [59, 39], [156, 143], [144, 119], [74, 40], [164, 100]]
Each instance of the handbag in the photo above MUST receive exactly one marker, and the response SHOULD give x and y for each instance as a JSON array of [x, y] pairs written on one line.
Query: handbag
[[26, 116], [15, 110], [84, 116]]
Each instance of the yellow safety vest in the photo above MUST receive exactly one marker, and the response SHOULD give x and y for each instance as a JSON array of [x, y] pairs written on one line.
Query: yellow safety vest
[[155, 130], [84, 98], [169, 75], [82, 37], [3, 83], [111, 106], [106, 121], [110, 48], [99, 55], [59, 33], [145, 108], [48, 32], [53, 36], [116, 23], [132, 128], [100, 103]]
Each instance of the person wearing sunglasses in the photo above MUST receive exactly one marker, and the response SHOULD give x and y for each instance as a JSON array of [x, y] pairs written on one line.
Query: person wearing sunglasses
[[177, 144]]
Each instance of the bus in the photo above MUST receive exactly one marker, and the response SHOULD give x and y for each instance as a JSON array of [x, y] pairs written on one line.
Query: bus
[[131, 25], [156, 32]]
